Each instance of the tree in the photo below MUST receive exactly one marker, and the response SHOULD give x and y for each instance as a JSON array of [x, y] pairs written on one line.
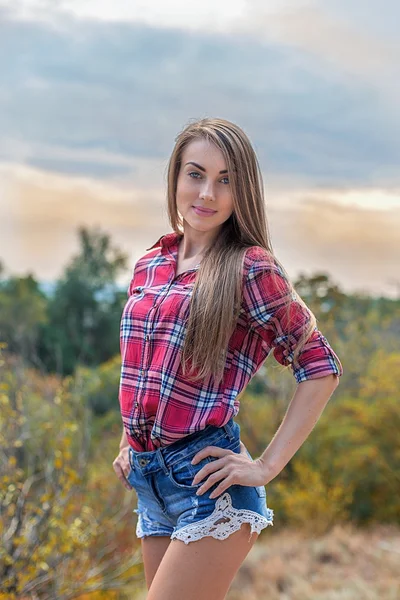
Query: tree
[[23, 310], [60, 531], [85, 310]]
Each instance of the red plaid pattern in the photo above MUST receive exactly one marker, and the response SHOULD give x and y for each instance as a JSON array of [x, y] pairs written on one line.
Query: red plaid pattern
[[158, 405]]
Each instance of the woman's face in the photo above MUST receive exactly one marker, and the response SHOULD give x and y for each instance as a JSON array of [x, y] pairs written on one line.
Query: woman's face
[[203, 182]]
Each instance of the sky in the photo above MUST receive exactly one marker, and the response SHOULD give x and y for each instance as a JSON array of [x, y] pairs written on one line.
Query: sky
[[93, 93]]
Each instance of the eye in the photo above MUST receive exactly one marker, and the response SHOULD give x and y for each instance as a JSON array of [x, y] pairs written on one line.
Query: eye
[[194, 173], [226, 180]]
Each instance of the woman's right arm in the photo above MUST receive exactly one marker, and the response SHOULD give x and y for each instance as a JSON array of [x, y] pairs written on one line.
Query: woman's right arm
[[124, 440], [121, 464]]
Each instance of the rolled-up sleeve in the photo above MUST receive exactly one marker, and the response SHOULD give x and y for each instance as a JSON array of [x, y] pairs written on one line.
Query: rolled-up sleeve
[[276, 314]]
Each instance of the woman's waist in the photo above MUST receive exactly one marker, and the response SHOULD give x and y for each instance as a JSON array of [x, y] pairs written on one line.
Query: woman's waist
[[186, 446]]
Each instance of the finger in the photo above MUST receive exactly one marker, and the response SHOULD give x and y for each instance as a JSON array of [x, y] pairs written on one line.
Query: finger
[[118, 470], [210, 451], [209, 468], [217, 476], [243, 449], [224, 485], [121, 476]]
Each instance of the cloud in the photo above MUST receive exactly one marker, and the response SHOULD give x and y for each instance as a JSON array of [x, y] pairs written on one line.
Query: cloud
[[40, 213], [207, 15], [312, 229], [329, 35], [90, 107], [359, 247], [124, 89]]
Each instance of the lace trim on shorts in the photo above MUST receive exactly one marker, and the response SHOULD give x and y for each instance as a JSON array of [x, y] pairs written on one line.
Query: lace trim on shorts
[[224, 520]]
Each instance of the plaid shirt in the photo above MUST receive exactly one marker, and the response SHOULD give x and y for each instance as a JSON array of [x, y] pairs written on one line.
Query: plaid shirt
[[158, 405]]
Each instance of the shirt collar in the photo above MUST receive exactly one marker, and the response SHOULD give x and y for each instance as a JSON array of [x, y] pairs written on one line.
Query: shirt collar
[[166, 240]]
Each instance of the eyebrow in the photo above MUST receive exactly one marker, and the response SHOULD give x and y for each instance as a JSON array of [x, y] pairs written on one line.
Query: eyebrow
[[202, 168]]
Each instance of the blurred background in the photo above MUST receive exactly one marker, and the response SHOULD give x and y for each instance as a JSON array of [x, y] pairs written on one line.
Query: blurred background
[[92, 95]]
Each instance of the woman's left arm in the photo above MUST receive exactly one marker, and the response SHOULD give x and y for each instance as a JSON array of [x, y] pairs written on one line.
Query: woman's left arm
[[267, 294], [229, 468], [304, 410]]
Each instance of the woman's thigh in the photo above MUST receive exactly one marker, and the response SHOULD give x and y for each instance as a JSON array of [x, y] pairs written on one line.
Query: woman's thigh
[[201, 570], [153, 550]]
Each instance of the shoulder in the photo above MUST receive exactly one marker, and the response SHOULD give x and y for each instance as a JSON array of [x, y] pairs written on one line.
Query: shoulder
[[255, 254], [260, 260], [265, 280]]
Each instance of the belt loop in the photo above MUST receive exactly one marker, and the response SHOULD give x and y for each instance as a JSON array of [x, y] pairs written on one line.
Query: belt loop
[[161, 460], [229, 429]]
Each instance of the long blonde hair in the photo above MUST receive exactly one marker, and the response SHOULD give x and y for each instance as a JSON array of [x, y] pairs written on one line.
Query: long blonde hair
[[217, 293]]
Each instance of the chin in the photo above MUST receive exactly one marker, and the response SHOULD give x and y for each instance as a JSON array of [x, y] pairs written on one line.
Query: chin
[[197, 227]]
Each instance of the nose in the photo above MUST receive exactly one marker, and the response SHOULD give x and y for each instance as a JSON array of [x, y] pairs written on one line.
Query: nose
[[207, 192]]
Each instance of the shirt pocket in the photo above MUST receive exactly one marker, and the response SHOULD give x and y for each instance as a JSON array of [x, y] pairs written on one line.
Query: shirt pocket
[[180, 301], [136, 308]]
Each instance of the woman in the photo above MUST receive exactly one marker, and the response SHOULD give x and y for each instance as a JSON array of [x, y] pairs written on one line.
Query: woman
[[206, 305]]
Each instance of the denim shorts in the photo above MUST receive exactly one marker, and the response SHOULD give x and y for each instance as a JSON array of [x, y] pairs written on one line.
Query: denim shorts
[[167, 503]]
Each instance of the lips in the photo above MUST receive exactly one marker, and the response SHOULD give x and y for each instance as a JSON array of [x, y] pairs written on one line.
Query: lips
[[205, 211]]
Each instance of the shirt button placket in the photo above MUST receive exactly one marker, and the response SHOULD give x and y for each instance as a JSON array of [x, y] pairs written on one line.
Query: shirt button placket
[[145, 360], [147, 336]]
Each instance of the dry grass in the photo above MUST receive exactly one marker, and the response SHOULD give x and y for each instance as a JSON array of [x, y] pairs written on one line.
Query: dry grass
[[345, 564]]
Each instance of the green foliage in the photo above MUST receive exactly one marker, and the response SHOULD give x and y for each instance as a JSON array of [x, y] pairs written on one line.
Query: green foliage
[[85, 310], [62, 530], [76, 325], [312, 501], [348, 468], [23, 311], [99, 386]]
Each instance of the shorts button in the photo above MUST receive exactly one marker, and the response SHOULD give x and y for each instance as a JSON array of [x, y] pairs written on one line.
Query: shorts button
[[143, 462]]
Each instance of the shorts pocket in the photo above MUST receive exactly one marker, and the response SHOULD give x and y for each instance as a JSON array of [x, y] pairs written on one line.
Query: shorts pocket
[[129, 476], [182, 473], [133, 473], [137, 481]]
